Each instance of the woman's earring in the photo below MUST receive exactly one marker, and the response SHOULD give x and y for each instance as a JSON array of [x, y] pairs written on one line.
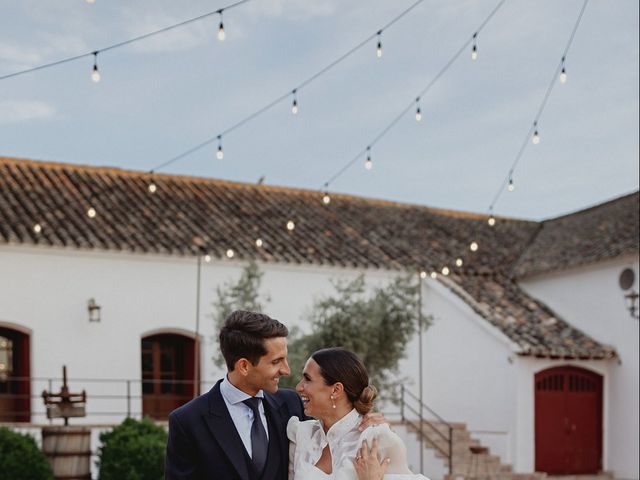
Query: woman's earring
[[333, 401]]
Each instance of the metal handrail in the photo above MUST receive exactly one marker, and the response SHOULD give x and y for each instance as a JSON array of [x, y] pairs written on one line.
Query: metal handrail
[[105, 380], [426, 407], [428, 424], [122, 401], [449, 439]]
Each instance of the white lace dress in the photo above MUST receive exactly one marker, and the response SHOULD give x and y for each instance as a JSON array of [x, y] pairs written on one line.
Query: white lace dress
[[307, 440]]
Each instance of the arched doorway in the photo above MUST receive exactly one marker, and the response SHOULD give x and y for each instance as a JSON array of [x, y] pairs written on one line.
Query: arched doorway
[[568, 421], [15, 375], [167, 373]]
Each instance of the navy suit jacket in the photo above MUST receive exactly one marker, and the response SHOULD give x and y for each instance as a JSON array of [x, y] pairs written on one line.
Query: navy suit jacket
[[204, 443]]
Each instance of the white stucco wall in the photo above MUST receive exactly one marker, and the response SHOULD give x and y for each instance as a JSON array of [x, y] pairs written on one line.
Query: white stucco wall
[[46, 290], [470, 372], [469, 375], [590, 298]]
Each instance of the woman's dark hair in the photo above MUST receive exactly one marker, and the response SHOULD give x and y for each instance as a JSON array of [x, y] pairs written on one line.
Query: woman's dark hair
[[341, 365], [243, 336]]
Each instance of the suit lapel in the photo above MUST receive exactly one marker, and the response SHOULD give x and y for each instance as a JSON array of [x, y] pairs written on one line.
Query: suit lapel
[[277, 445], [224, 431], [275, 406]]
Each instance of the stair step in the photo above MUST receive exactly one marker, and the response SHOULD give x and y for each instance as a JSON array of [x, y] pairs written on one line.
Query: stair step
[[599, 476], [466, 465], [497, 476]]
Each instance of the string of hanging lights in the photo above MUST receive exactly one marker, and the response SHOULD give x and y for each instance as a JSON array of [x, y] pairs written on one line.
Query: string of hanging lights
[[532, 135], [95, 76], [290, 94], [290, 225], [368, 164]]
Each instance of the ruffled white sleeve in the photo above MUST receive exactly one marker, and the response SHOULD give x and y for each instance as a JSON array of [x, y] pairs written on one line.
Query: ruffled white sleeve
[[292, 433], [391, 446]]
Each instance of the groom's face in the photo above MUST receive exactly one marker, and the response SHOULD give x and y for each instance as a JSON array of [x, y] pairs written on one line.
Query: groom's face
[[271, 366]]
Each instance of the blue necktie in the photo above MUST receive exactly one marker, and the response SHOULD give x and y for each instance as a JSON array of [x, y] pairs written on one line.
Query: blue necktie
[[259, 441]]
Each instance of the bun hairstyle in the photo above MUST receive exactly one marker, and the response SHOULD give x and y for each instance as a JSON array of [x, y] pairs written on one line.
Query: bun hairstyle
[[341, 365]]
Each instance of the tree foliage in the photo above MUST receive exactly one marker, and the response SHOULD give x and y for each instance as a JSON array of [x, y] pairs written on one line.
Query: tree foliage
[[375, 326], [20, 457], [244, 294], [133, 450]]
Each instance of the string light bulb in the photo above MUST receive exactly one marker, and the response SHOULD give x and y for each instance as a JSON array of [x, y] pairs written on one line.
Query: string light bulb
[[291, 225], [445, 271], [511, 187], [423, 274], [474, 246], [37, 228], [230, 253], [221, 33], [368, 164], [536, 135], [207, 258], [563, 73], [294, 105], [152, 187], [326, 199], [433, 275], [459, 262], [379, 48], [418, 111], [91, 212], [474, 49], [220, 152], [95, 74], [259, 242], [491, 220]]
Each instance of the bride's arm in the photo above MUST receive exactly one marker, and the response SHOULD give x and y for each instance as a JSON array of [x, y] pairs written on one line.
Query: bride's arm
[[391, 447]]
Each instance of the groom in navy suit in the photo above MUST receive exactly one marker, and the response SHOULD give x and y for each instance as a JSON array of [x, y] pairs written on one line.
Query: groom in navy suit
[[237, 430]]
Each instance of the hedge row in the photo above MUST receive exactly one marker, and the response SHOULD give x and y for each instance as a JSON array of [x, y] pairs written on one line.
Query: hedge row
[[133, 450]]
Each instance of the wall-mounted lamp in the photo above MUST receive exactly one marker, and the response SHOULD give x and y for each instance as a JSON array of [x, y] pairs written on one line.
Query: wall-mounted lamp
[[626, 281], [94, 310]]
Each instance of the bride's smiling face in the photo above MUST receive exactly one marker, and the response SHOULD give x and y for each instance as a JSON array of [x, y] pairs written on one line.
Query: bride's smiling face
[[315, 394]]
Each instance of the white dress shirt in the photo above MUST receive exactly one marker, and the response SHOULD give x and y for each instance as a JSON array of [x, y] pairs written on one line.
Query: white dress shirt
[[241, 414], [307, 440]]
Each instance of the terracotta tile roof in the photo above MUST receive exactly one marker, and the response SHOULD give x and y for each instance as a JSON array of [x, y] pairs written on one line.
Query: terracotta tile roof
[[189, 216], [606, 231], [529, 323]]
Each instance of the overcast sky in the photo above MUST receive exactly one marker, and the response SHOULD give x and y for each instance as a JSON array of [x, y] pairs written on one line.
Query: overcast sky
[[159, 97]]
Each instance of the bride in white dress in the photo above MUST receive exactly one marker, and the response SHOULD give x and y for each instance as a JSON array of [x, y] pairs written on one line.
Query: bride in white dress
[[335, 390]]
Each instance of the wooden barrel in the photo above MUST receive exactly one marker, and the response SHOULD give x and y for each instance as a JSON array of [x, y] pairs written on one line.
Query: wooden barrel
[[69, 451]]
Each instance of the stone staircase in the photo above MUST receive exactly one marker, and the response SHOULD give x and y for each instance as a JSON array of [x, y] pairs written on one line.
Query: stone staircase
[[466, 465]]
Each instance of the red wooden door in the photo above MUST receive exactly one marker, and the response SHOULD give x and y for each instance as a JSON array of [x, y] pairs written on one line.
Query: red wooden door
[[568, 421], [15, 380], [167, 373]]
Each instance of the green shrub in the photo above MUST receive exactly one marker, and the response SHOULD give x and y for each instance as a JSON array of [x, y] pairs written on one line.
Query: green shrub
[[21, 458], [133, 450]]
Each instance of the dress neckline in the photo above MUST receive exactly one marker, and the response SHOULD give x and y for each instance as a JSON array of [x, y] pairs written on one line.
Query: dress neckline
[[342, 426]]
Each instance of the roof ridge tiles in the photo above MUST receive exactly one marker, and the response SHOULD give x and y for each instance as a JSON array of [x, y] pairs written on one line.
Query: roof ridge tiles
[[237, 184]]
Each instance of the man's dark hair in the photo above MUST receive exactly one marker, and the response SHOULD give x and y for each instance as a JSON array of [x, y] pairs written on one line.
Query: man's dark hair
[[243, 335]]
